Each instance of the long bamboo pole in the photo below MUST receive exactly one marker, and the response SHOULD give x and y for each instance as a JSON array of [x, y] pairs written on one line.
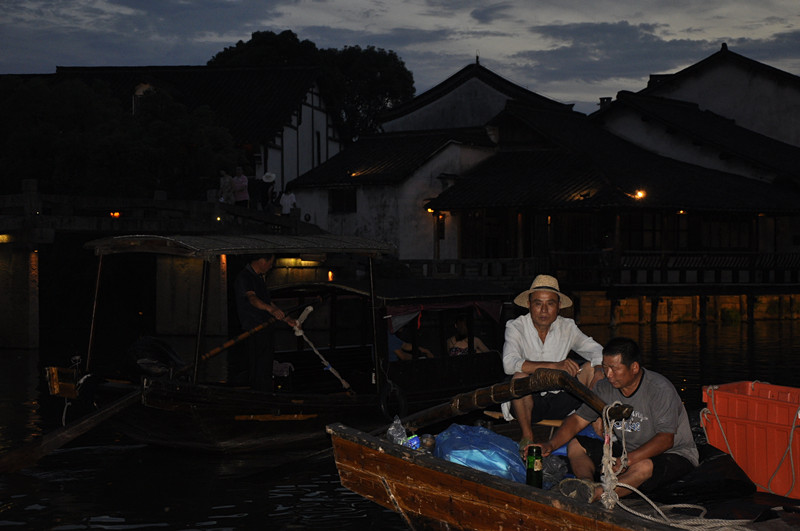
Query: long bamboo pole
[[541, 380]]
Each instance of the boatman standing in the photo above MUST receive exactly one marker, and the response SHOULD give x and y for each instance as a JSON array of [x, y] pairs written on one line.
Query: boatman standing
[[544, 339], [254, 306]]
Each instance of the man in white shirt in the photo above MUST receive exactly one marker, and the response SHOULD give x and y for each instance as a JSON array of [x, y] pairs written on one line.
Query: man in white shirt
[[288, 202], [544, 339]]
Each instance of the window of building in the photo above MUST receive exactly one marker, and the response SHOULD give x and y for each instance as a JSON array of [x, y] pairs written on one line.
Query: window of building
[[341, 200], [723, 232], [641, 231]]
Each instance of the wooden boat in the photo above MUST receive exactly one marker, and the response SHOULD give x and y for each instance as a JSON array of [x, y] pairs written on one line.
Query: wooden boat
[[433, 493], [193, 401]]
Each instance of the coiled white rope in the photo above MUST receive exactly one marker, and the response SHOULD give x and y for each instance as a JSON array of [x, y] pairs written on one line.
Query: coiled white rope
[[610, 482]]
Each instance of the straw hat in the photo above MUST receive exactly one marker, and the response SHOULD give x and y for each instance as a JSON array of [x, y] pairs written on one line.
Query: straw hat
[[543, 282]]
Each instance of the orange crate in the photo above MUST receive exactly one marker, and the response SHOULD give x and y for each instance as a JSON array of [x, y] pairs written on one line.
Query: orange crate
[[758, 420]]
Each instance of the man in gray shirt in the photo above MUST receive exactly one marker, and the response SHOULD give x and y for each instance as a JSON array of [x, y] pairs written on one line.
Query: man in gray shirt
[[658, 437]]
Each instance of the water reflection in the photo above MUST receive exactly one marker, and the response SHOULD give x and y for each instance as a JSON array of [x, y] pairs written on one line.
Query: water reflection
[[693, 355], [108, 483], [20, 418]]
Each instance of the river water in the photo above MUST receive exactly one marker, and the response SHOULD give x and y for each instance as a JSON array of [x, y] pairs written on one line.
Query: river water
[[102, 481]]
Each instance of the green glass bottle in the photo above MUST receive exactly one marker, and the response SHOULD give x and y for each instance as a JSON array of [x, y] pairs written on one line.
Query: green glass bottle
[[535, 469]]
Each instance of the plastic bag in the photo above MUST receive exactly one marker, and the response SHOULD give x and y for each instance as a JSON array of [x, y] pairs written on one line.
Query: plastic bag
[[396, 432], [481, 449], [555, 469]]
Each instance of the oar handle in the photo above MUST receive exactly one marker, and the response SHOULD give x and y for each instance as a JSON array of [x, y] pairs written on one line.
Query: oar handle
[[244, 335]]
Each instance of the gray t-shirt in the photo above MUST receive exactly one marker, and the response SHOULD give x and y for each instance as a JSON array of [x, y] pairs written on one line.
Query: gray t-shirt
[[657, 408]]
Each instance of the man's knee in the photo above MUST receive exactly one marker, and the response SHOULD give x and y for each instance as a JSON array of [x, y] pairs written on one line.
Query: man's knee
[[638, 473], [574, 448], [643, 467]]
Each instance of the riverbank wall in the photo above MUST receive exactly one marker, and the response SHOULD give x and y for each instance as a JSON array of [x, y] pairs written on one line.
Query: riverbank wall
[[596, 307]]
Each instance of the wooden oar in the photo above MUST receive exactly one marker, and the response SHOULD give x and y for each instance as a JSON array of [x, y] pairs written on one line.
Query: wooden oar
[[541, 380], [241, 337], [30, 453]]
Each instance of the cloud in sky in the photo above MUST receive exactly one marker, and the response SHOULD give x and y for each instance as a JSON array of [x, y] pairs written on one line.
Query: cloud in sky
[[557, 48]]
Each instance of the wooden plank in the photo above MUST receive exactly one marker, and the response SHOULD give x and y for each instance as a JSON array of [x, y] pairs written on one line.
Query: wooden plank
[[28, 454]]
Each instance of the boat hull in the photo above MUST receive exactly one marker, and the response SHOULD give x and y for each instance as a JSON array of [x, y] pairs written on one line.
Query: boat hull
[[232, 420], [443, 495]]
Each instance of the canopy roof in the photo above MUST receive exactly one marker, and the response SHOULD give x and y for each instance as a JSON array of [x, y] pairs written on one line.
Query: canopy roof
[[405, 298], [208, 246]]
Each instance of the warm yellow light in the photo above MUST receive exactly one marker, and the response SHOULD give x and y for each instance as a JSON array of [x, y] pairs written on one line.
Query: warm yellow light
[[681, 212], [640, 194], [330, 276], [114, 215], [219, 218], [430, 211], [295, 262], [6, 238]]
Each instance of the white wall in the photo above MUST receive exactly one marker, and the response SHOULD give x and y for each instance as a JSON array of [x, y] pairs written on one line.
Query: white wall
[[294, 151], [396, 214], [761, 103], [654, 137]]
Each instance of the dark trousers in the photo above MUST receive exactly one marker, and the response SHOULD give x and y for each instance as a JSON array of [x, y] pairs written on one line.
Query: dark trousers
[[260, 355]]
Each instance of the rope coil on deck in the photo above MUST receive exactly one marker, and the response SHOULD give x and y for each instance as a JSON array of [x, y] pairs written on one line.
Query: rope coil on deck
[[610, 482]]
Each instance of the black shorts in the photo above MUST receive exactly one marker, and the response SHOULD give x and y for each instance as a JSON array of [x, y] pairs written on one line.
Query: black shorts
[[553, 406], [667, 467]]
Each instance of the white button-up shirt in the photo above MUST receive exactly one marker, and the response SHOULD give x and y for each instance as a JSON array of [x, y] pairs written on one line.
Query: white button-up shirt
[[522, 343]]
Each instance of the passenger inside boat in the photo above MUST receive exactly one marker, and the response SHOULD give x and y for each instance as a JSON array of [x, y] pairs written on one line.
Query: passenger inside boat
[[403, 348], [458, 343], [653, 448], [544, 339]]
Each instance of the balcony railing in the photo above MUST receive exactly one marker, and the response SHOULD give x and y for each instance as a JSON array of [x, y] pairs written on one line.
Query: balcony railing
[[630, 270]]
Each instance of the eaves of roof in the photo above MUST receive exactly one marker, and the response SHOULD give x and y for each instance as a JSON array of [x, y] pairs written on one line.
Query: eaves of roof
[[590, 168], [386, 158], [254, 103], [474, 70], [710, 129]]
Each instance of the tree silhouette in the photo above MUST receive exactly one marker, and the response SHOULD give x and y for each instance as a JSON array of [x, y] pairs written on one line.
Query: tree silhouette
[[357, 84], [76, 136]]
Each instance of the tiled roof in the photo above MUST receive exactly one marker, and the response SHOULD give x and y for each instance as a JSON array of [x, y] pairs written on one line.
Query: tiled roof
[[474, 70], [254, 103], [723, 56], [386, 158], [583, 166], [710, 129]]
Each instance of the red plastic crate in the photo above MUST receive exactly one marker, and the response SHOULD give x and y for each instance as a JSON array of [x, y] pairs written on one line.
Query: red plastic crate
[[757, 420]]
